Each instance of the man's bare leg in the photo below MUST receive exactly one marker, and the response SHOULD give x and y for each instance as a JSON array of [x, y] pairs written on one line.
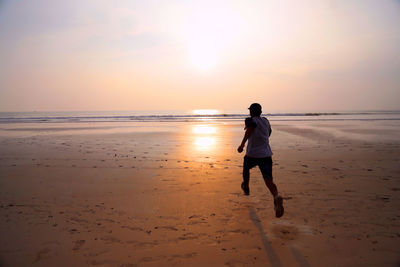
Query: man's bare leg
[[272, 187], [246, 179], [278, 201]]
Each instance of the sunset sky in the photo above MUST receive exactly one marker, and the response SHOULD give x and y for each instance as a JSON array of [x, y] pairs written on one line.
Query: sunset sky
[[151, 55]]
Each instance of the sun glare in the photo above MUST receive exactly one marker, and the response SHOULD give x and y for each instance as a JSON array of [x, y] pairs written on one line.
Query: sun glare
[[204, 139], [205, 111], [203, 129], [210, 32], [205, 143], [203, 56]]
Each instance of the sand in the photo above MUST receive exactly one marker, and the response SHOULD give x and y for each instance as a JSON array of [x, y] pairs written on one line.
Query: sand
[[168, 194]]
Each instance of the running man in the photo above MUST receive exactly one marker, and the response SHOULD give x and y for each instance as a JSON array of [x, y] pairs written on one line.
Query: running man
[[258, 153]]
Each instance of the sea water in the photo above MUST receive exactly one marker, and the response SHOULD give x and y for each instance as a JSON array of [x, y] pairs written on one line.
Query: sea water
[[187, 116]]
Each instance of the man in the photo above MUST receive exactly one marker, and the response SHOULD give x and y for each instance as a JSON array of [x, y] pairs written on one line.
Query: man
[[258, 153]]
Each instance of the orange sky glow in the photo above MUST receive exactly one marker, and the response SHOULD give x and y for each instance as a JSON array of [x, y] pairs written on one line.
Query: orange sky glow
[[162, 55]]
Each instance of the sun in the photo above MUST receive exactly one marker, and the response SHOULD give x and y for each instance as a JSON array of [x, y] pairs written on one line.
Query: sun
[[209, 34], [203, 56]]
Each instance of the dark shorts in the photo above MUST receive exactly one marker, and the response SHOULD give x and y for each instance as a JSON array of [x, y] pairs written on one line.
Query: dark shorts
[[265, 165]]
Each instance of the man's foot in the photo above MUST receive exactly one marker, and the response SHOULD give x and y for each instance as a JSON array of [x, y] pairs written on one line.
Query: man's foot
[[245, 189], [278, 206]]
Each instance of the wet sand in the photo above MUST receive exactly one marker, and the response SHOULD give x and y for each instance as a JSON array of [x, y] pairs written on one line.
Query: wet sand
[[168, 194]]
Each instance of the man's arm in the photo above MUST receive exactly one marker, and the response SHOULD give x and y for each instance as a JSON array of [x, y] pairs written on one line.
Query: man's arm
[[246, 136]]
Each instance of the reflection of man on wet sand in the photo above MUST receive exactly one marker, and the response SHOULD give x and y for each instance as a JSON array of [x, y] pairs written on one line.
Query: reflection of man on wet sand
[[258, 153]]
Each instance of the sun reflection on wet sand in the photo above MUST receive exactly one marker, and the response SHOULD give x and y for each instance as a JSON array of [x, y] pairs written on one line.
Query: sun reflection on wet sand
[[204, 139], [204, 129]]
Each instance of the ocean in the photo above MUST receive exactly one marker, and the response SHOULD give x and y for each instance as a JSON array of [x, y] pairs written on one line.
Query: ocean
[[186, 116]]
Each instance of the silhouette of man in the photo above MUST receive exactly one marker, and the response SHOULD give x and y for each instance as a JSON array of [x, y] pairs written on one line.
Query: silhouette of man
[[258, 153]]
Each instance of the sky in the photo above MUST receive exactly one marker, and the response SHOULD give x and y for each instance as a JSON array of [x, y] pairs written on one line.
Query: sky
[[300, 55]]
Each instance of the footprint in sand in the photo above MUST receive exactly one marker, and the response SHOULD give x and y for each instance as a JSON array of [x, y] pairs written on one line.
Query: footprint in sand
[[285, 232], [110, 240], [78, 244], [182, 256], [41, 254], [233, 263], [171, 228], [133, 228], [384, 198]]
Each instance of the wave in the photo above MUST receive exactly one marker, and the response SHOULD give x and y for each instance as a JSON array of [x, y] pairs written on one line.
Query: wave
[[54, 117]]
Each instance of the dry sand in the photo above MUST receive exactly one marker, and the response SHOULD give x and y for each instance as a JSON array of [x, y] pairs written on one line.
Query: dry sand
[[140, 194]]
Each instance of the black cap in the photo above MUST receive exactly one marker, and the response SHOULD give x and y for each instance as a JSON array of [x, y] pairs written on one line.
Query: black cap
[[255, 107]]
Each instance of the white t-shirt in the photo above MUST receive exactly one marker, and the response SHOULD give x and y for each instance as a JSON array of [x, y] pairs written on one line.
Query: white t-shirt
[[258, 142]]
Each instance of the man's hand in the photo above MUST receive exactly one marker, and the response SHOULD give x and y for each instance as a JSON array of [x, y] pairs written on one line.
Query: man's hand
[[247, 134]]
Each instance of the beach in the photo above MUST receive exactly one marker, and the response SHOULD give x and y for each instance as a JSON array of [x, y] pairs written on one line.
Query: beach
[[168, 194]]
